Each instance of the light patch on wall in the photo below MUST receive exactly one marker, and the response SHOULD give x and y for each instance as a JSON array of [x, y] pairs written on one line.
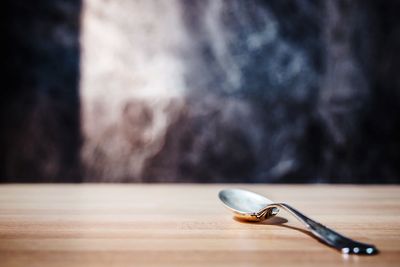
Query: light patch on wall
[[132, 82]]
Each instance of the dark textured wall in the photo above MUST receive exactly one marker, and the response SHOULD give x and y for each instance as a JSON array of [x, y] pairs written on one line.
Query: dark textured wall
[[311, 104], [269, 91], [39, 105]]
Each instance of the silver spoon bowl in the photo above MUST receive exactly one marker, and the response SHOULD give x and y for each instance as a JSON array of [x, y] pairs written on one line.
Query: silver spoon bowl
[[250, 206]]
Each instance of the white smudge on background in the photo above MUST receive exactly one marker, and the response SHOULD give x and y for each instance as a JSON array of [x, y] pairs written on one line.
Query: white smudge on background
[[132, 82]]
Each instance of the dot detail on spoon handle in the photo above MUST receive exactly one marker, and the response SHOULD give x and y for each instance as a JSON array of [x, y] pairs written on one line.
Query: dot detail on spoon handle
[[327, 235]]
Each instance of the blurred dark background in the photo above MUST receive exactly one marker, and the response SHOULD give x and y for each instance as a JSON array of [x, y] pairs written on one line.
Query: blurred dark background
[[200, 91]]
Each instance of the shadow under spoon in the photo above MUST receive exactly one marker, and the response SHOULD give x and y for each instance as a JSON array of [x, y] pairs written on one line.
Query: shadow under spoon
[[250, 206]]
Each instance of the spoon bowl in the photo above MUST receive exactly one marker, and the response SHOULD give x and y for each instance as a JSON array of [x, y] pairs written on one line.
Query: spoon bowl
[[247, 205]]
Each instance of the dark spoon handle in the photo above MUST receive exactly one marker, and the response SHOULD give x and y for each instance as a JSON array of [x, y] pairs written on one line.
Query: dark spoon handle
[[328, 236]]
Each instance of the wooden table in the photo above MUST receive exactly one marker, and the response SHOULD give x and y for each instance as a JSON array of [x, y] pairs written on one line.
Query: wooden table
[[186, 225]]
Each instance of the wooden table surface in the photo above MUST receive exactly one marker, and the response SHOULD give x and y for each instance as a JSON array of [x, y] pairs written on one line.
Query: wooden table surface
[[186, 225]]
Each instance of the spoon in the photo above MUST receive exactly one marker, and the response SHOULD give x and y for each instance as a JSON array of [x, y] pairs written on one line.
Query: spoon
[[250, 206]]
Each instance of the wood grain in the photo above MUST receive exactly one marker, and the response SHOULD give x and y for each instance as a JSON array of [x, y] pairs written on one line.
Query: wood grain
[[186, 225]]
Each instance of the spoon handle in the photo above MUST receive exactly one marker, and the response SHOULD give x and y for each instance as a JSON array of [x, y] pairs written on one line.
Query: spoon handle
[[328, 236]]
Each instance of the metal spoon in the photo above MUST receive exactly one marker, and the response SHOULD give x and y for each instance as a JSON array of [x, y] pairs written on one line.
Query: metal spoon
[[250, 206]]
